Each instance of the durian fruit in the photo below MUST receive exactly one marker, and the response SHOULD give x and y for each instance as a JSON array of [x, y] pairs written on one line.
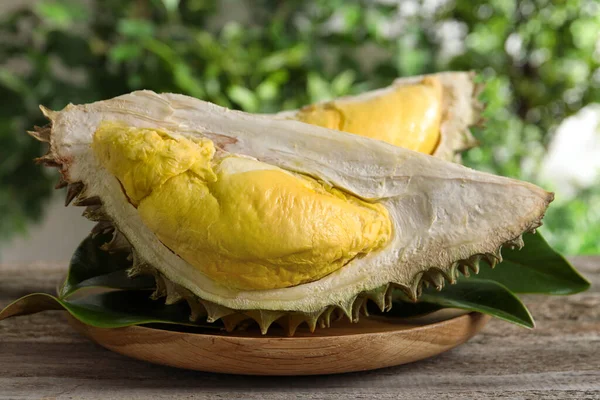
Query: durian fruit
[[430, 113], [253, 217]]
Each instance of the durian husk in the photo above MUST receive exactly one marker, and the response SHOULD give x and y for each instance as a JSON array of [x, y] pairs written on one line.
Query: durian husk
[[350, 309], [461, 109], [204, 310]]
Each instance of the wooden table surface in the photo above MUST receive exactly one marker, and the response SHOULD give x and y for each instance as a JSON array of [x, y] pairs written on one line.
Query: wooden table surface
[[42, 357]]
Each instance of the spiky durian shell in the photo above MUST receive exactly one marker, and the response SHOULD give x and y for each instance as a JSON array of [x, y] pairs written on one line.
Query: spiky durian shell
[[350, 306]]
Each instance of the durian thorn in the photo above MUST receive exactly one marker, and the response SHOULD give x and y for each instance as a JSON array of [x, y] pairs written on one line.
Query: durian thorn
[[48, 113], [357, 307], [264, 318], [346, 307], [102, 227], [173, 298], [517, 243], [312, 318], [464, 269], [160, 290], [452, 275], [414, 291], [321, 323], [536, 224], [118, 243], [364, 307], [215, 311], [48, 160], [473, 263], [293, 320], [408, 293], [326, 315], [88, 201], [62, 182], [435, 277], [377, 296], [139, 267], [96, 213], [197, 309], [73, 191], [492, 259], [290, 323], [173, 294], [498, 255], [233, 320], [389, 297], [40, 133]]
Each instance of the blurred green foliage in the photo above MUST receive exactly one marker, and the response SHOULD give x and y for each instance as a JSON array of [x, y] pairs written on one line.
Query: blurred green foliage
[[540, 59]]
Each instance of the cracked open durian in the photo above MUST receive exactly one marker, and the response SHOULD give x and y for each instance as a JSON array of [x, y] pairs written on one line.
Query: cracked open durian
[[248, 216]]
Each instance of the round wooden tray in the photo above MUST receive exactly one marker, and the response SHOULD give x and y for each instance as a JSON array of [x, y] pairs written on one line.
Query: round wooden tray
[[345, 347]]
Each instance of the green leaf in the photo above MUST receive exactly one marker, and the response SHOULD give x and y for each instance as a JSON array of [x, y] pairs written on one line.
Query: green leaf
[[186, 81], [136, 28], [484, 296], [267, 90], [125, 52], [342, 83], [61, 14], [318, 88], [536, 268], [107, 310], [171, 5], [92, 267], [289, 57], [244, 97], [11, 81]]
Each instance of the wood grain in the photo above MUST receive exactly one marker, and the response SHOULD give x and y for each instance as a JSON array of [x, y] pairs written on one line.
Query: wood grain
[[345, 347], [42, 357]]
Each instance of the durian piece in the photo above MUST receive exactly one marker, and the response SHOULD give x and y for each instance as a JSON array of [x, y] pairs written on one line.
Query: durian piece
[[430, 113], [246, 216]]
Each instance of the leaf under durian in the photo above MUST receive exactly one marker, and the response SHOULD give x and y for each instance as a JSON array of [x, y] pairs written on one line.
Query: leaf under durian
[[445, 216]]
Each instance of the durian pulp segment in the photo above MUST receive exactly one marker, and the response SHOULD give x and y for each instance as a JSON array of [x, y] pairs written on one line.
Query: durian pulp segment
[[244, 223], [407, 116]]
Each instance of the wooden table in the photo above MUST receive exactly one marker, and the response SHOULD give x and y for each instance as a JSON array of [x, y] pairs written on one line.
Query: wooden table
[[42, 357]]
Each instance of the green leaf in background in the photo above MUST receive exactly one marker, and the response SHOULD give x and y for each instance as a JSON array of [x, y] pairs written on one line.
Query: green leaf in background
[[115, 309], [244, 97], [536, 268], [481, 295], [61, 14], [92, 267]]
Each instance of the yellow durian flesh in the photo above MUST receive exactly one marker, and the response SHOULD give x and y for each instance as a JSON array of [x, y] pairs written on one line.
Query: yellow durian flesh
[[407, 116], [244, 223]]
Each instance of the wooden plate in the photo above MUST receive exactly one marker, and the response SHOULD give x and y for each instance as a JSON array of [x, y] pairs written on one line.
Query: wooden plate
[[345, 347]]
